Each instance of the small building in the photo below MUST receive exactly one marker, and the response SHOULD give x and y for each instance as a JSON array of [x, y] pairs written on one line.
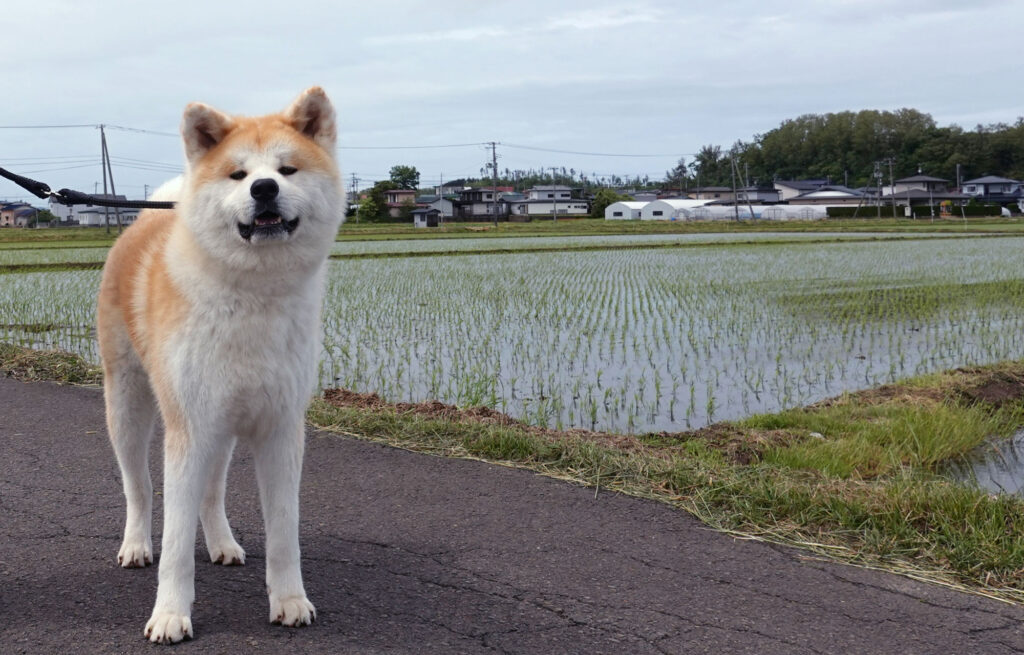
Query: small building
[[624, 210], [426, 217]]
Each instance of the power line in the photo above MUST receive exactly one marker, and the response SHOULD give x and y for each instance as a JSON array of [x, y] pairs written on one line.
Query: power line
[[44, 127], [141, 130], [447, 145], [595, 154]]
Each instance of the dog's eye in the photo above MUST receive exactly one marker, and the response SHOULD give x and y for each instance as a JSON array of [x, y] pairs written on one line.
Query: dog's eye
[[287, 170], [238, 175]]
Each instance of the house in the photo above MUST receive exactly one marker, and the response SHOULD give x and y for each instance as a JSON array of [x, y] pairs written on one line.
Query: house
[[831, 195], [722, 193], [9, 212], [992, 188], [25, 217], [426, 217], [757, 194], [479, 203], [624, 210], [549, 200], [917, 182], [396, 199], [98, 216], [792, 188], [70, 214]]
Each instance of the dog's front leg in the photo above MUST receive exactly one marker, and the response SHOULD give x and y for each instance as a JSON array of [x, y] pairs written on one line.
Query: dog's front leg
[[185, 478], [278, 469]]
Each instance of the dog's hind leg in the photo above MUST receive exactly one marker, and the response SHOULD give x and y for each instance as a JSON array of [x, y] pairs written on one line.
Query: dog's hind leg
[[131, 422], [219, 541]]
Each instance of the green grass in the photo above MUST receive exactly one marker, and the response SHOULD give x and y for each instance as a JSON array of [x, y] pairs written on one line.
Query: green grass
[[868, 491]]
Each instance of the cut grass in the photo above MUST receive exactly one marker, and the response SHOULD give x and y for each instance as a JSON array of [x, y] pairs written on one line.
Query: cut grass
[[51, 365], [857, 479]]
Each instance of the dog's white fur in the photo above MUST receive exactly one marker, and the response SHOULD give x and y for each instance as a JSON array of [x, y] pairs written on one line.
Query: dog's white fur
[[220, 334]]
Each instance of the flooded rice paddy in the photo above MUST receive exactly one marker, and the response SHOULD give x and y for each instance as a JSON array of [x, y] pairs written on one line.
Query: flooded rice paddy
[[635, 340]]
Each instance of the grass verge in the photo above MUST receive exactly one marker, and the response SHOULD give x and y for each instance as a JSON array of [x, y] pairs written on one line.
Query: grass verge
[[858, 478]]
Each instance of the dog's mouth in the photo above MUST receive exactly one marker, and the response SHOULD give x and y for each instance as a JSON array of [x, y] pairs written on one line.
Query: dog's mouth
[[266, 225]]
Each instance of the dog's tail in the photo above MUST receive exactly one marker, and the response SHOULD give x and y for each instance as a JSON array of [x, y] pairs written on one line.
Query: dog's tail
[[169, 191]]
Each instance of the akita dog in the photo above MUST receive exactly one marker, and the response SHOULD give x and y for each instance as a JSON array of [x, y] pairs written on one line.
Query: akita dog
[[210, 313]]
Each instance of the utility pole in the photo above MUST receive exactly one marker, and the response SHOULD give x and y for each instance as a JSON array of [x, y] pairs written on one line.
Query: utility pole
[[554, 194], [494, 179], [878, 187], [354, 190], [145, 192], [110, 171], [892, 189], [746, 188], [103, 165], [735, 200]]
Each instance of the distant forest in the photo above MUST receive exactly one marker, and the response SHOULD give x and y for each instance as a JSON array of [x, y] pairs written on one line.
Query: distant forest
[[842, 147]]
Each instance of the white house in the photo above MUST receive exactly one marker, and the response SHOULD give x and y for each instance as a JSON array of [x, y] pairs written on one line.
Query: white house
[[670, 209], [478, 203], [549, 192], [97, 216], [566, 207], [991, 185], [624, 210], [66, 213]]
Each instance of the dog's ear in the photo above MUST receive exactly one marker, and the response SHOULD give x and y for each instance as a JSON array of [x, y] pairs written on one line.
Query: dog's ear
[[203, 127], [312, 115]]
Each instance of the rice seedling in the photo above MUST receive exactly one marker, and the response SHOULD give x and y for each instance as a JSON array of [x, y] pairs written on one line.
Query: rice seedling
[[636, 340]]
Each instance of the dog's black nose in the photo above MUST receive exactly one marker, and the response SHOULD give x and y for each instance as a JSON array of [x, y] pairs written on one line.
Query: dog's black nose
[[265, 189]]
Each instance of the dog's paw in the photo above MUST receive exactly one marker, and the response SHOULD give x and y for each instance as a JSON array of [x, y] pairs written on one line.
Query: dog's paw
[[292, 611], [135, 553], [168, 627], [228, 553]]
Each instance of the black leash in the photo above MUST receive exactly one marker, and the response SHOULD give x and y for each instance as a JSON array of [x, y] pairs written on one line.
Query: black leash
[[69, 197]]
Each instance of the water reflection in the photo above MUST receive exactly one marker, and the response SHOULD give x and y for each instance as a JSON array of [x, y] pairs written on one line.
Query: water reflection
[[996, 466]]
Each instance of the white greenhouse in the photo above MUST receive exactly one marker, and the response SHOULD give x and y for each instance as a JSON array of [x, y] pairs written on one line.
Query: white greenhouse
[[670, 209], [624, 210]]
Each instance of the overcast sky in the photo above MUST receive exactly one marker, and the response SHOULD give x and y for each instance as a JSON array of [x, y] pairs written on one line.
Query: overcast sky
[[648, 77]]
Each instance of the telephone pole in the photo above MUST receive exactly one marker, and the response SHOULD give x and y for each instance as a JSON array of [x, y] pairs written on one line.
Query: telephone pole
[[105, 164], [494, 179], [354, 190], [554, 195], [892, 188]]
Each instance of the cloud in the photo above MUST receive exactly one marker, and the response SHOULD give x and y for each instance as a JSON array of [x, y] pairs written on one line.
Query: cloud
[[600, 18], [605, 18]]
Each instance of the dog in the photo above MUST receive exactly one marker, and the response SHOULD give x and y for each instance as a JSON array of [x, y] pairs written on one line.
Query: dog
[[209, 313]]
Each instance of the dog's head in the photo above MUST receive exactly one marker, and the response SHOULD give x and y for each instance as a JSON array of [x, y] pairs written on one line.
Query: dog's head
[[263, 193]]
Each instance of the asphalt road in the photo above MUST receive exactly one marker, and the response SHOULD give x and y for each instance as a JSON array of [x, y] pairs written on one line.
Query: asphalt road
[[406, 553]]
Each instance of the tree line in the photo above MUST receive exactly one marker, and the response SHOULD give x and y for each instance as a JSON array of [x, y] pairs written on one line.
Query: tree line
[[844, 146]]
